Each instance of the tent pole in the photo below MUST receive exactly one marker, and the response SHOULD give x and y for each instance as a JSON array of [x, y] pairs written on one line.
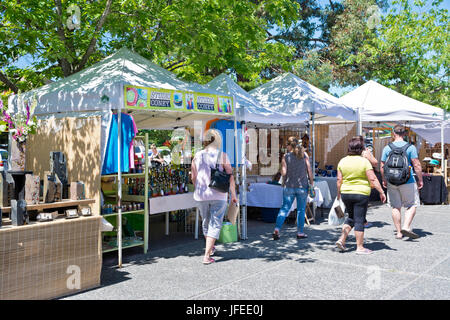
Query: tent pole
[[236, 157], [313, 140], [359, 128], [442, 148], [119, 188], [244, 183]]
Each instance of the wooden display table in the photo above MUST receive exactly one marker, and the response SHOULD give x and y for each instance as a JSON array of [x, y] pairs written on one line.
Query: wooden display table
[[66, 203], [45, 260]]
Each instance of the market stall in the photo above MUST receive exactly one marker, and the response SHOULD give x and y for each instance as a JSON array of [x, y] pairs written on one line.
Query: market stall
[[288, 93], [377, 105], [117, 96], [252, 115]]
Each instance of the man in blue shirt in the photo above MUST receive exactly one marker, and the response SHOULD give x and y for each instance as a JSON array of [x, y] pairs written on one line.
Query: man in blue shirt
[[406, 195]]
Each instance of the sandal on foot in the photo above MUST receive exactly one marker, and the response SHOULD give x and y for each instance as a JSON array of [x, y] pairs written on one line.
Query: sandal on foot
[[276, 236], [209, 261], [399, 237], [409, 234], [364, 252], [340, 245], [301, 236]]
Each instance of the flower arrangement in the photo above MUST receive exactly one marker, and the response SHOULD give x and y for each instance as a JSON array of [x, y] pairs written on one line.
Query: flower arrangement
[[20, 124]]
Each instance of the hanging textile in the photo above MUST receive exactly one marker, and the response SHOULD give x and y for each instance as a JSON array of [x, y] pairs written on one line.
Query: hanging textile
[[111, 160], [131, 152]]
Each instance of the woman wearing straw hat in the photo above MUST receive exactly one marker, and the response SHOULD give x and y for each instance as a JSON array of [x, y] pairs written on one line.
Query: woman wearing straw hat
[[211, 202], [295, 169]]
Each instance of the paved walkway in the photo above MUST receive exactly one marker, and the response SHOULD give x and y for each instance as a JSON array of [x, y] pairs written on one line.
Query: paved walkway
[[260, 268]]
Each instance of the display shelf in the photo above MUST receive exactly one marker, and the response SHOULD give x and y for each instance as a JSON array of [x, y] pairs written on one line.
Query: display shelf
[[133, 198], [107, 248], [130, 198], [125, 175], [125, 212], [54, 205]]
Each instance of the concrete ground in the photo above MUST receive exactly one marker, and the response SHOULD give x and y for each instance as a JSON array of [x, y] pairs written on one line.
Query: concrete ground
[[260, 268]]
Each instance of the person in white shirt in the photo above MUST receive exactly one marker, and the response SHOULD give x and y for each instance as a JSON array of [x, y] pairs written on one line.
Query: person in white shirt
[[212, 203]]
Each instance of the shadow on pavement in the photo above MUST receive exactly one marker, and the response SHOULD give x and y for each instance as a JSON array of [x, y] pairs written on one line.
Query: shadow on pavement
[[259, 245], [421, 233]]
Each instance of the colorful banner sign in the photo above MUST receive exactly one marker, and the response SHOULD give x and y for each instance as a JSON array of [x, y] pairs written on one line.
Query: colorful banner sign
[[142, 98]]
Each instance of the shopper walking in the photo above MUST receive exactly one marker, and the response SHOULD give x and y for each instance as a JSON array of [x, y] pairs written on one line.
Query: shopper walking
[[402, 191], [367, 153], [354, 179], [295, 169], [211, 203]]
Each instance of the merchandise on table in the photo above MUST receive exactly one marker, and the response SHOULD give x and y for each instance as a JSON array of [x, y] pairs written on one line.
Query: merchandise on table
[[162, 180], [133, 206], [169, 180]]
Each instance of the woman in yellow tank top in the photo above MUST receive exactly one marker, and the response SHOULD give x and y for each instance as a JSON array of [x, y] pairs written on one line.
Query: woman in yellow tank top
[[355, 178]]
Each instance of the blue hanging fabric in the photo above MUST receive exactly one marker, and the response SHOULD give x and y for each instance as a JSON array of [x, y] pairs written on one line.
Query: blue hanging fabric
[[111, 159], [226, 128]]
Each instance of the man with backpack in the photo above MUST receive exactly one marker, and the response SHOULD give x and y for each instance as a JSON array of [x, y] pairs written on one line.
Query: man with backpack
[[397, 162]]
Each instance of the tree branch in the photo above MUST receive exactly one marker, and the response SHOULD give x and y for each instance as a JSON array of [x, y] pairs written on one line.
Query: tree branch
[[9, 84], [98, 28], [65, 66], [318, 40], [331, 5]]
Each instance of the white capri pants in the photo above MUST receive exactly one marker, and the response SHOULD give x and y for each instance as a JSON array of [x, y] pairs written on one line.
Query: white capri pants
[[212, 213]]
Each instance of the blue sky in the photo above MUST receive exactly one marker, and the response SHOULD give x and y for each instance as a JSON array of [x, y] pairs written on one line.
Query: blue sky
[[27, 60]]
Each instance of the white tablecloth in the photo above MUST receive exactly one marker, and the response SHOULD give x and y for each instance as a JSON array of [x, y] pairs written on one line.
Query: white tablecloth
[[325, 191], [332, 184], [172, 203], [266, 195]]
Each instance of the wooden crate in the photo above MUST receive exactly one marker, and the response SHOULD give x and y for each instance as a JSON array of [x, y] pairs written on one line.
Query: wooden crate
[[42, 260]]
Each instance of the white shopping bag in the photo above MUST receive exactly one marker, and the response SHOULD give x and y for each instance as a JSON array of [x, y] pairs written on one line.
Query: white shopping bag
[[333, 219], [106, 226]]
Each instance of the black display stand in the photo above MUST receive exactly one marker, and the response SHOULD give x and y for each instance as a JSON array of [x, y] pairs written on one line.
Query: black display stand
[[19, 183], [434, 190]]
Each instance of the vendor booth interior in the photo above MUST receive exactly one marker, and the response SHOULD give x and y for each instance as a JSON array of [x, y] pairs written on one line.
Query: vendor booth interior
[[283, 107], [92, 120]]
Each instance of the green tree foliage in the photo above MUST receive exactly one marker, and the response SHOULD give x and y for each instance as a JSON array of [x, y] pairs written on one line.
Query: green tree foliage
[[419, 53], [196, 39], [408, 51], [158, 137], [341, 42]]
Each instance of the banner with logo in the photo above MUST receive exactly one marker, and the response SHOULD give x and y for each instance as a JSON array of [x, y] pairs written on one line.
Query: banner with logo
[[142, 98]]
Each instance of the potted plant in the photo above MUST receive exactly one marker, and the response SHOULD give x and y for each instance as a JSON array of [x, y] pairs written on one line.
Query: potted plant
[[20, 124]]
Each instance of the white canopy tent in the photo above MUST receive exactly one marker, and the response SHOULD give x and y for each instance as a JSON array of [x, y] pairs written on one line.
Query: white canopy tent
[[376, 103], [248, 107], [431, 132], [251, 112], [101, 89], [288, 93]]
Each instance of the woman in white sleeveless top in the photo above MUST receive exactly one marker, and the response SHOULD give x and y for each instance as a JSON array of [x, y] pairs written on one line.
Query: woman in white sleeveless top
[[212, 204]]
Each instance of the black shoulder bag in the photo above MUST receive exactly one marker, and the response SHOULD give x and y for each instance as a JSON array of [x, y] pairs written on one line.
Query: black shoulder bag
[[220, 180]]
